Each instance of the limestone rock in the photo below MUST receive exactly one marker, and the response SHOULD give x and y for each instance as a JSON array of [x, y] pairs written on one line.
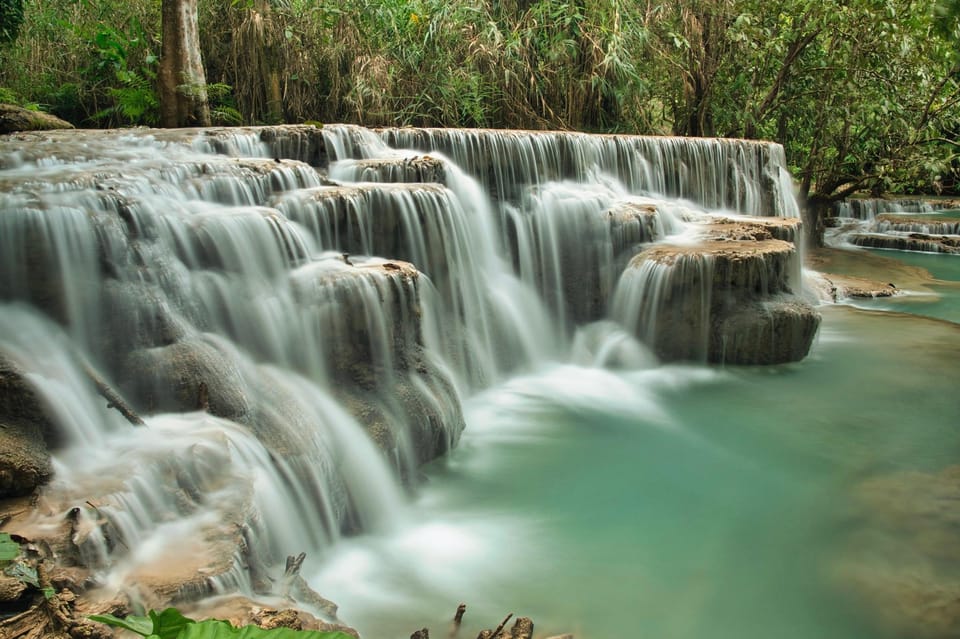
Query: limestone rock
[[912, 242], [416, 420], [764, 332], [722, 301], [421, 168], [194, 373], [843, 287], [633, 223], [24, 459], [788, 229], [931, 225], [14, 118], [241, 611], [367, 311]]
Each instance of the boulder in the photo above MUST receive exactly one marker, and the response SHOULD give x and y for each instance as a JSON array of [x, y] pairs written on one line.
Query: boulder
[[24, 459], [764, 332], [633, 223], [194, 373], [416, 421], [14, 118]]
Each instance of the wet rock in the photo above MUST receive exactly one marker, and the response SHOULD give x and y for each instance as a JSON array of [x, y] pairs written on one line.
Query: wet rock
[[421, 168], [378, 219], [11, 590], [198, 372], [415, 418], [136, 316], [301, 142], [764, 333], [842, 287], [930, 225], [633, 223], [14, 118], [242, 611], [19, 402], [368, 313], [788, 229], [912, 242], [24, 460], [722, 301]]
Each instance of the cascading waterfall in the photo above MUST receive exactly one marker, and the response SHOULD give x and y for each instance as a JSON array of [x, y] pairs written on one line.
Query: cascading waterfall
[[291, 334]]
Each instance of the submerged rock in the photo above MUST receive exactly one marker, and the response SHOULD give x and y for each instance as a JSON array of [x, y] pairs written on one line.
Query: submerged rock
[[903, 553]]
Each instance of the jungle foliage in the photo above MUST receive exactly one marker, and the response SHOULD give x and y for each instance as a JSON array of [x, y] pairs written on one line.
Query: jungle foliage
[[863, 94]]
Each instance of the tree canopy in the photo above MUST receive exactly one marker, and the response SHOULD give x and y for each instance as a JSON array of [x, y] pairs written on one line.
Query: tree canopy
[[863, 94]]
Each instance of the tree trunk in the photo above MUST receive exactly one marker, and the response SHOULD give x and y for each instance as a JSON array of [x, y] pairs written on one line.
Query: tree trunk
[[183, 84]]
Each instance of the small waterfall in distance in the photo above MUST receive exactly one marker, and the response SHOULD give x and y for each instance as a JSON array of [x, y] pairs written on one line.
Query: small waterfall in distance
[[298, 340]]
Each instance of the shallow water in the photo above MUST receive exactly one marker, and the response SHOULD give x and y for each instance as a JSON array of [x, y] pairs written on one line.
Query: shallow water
[[671, 502]]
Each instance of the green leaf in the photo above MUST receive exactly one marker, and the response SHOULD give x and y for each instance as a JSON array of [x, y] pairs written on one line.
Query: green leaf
[[9, 549], [24, 573], [141, 625], [169, 623], [48, 593]]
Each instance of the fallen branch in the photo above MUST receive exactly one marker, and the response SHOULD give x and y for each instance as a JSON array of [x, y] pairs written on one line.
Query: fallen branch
[[113, 397]]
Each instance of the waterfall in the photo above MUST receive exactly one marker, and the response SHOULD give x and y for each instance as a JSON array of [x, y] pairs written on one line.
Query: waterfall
[[298, 312]]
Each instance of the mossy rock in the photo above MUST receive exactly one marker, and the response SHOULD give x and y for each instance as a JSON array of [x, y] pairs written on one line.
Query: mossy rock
[[14, 118]]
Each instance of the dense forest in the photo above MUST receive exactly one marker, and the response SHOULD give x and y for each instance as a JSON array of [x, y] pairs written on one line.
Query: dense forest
[[863, 94]]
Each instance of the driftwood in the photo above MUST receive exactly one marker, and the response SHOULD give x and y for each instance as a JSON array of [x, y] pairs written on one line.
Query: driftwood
[[522, 629], [113, 397], [457, 620], [295, 585]]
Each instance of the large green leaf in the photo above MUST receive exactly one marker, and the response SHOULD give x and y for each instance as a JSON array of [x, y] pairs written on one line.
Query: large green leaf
[[169, 623], [141, 625], [9, 549], [213, 629]]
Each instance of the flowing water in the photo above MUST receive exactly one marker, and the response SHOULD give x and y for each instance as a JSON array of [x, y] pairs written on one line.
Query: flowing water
[[593, 488]]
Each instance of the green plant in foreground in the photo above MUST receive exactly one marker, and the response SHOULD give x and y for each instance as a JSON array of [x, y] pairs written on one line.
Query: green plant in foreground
[[171, 624], [14, 566]]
